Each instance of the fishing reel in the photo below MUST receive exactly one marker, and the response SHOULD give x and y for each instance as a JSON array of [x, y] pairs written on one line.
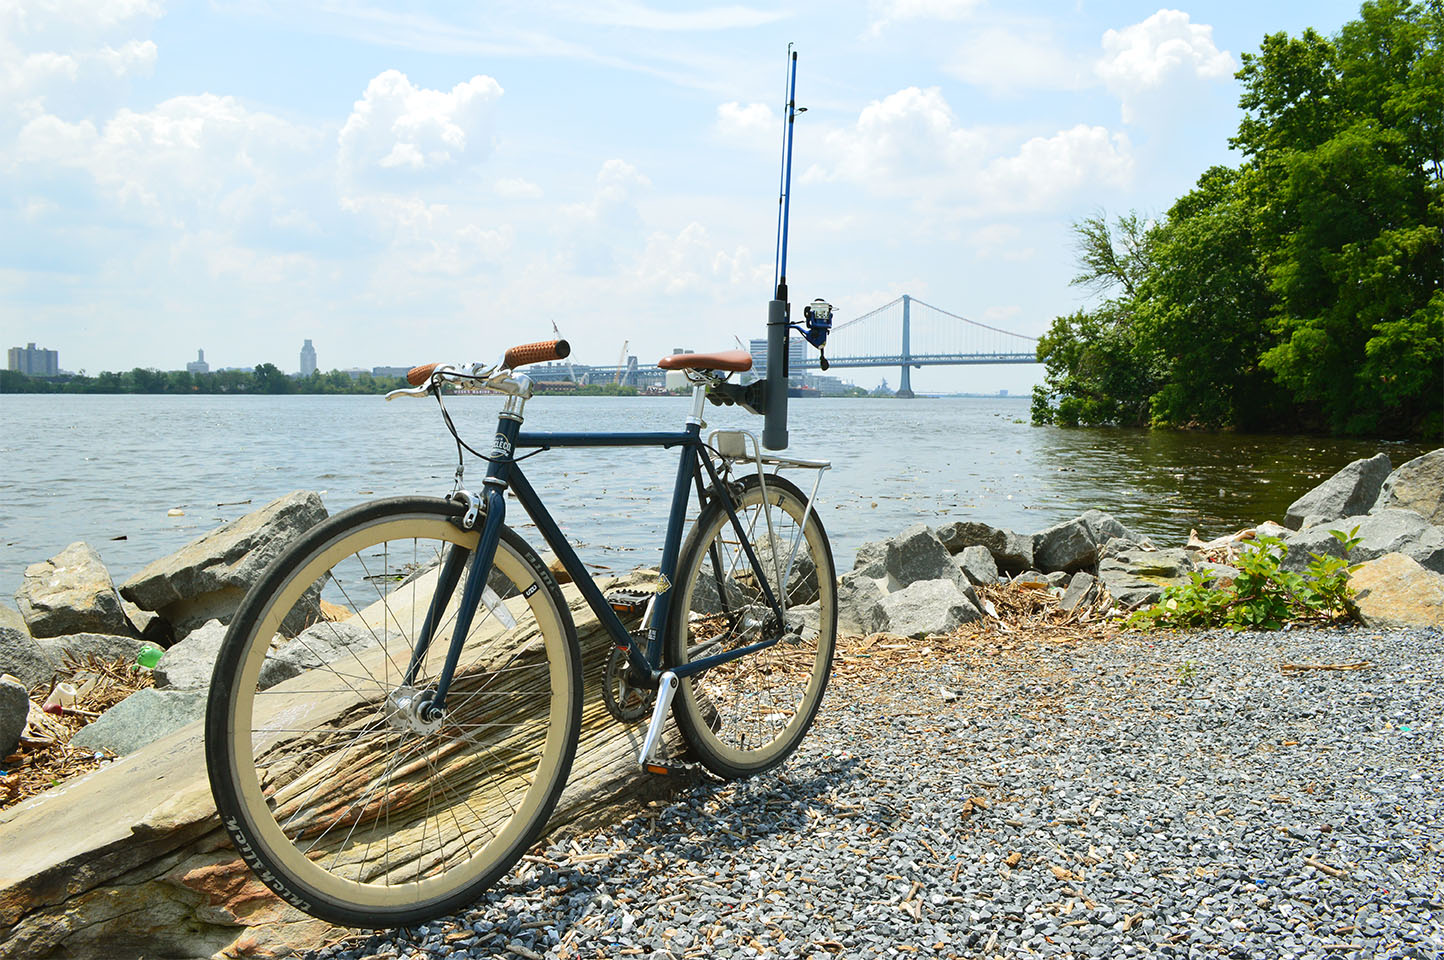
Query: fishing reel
[[818, 315]]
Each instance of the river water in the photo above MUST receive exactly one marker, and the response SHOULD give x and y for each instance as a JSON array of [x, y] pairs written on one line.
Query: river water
[[107, 469]]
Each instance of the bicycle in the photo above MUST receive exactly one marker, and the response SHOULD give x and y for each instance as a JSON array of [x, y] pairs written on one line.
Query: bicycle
[[374, 773]]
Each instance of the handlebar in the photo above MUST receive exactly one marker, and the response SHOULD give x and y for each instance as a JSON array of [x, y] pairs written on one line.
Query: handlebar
[[494, 376], [544, 351]]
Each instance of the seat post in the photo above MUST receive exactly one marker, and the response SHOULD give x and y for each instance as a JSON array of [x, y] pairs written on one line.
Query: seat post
[[699, 394]]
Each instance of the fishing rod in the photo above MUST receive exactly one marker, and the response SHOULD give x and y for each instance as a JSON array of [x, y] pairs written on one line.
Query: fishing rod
[[818, 314]]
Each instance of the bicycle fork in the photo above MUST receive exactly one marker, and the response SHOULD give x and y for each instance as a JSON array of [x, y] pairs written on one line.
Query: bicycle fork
[[431, 707]]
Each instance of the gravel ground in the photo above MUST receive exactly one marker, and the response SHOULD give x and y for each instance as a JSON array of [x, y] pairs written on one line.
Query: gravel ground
[[1170, 796]]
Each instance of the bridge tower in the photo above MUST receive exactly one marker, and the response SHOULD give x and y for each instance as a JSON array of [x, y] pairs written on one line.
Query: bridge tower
[[905, 385]]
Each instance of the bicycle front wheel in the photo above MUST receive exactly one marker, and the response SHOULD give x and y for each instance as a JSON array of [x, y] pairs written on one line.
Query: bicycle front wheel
[[747, 715], [341, 795]]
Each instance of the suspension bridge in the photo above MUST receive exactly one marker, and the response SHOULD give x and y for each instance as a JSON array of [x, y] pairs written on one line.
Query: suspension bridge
[[908, 333]]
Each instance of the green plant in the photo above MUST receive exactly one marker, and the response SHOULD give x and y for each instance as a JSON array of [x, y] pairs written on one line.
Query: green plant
[[1187, 672], [1263, 596]]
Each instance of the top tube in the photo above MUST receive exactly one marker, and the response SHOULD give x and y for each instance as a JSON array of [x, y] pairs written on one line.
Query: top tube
[[690, 435]]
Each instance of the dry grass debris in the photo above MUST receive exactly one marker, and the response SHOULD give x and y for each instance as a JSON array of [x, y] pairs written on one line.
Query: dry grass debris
[[45, 758]]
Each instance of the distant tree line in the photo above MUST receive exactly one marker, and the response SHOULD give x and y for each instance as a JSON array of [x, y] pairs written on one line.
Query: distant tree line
[[1301, 290], [264, 379]]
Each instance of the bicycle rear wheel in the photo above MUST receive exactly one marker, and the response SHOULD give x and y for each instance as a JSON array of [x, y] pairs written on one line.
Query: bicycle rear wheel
[[746, 716], [346, 800]]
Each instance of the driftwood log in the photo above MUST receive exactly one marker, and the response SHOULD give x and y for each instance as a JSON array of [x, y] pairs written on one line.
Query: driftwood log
[[130, 861]]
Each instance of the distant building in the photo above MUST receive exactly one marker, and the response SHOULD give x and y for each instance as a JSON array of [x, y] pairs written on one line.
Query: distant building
[[35, 362], [308, 359], [387, 371], [199, 365], [796, 356], [677, 379]]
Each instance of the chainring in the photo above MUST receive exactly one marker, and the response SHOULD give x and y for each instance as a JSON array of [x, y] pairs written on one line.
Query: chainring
[[624, 701]]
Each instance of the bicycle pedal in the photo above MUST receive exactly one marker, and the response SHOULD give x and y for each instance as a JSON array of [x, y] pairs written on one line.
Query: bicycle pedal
[[628, 601]]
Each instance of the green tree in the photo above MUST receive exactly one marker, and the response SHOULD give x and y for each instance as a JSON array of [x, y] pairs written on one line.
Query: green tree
[[269, 379], [1344, 137], [1206, 311], [1098, 369]]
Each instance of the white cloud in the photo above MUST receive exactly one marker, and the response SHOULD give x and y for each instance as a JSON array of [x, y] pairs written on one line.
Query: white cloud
[[1005, 61], [397, 127], [690, 262], [1045, 169], [910, 145], [1160, 51], [748, 123], [905, 135], [134, 56], [516, 188], [887, 12], [181, 163]]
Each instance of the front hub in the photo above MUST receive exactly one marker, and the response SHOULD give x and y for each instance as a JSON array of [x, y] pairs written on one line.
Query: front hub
[[409, 709]]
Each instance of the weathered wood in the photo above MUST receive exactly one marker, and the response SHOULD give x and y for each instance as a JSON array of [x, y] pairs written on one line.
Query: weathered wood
[[130, 861]]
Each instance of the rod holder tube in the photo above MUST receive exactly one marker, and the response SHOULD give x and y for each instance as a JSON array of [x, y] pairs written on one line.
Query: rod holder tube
[[774, 426]]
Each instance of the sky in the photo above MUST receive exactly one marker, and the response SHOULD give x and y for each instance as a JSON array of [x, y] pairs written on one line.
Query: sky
[[413, 182]]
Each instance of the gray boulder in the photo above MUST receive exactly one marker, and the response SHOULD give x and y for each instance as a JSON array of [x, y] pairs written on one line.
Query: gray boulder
[[1417, 485], [324, 642], [1137, 577], [81, 645], [188, 665], [149, 625], [21, 655], [978, 565], [1216, 571], [70, 593], [1105, 527], [14, 713], [1070, 545], [1385, 531], [857, 598], [917, 554], [141, 718], [707, 599], [206, 579], [1351, 491], [1030, 578], [872, 559], [801, 579], [924, 608], [1082, 590], [1010, 551]]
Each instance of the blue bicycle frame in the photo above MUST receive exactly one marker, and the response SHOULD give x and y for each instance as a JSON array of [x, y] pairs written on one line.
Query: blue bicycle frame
[[504, 472]]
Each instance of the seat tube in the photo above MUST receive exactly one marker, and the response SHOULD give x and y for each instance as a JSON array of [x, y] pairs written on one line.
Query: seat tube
[[672, 545], [494, 500]]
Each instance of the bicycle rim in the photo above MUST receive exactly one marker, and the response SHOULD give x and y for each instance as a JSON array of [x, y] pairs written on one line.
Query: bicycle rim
[[351, 807], [746, 716]]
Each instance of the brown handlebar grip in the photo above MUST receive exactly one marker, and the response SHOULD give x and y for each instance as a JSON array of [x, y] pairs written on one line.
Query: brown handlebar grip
[[537, 353], [416, 376]]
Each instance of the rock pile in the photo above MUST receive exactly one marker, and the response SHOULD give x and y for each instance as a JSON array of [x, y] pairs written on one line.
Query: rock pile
[[919, 582], [69, 607]]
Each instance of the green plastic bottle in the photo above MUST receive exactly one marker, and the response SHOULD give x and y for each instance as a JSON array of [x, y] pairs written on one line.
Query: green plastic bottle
[[149, 656]]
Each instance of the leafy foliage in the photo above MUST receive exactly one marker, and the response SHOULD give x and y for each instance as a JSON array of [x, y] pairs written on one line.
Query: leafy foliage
[[1302, 289], [1263, 596]]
